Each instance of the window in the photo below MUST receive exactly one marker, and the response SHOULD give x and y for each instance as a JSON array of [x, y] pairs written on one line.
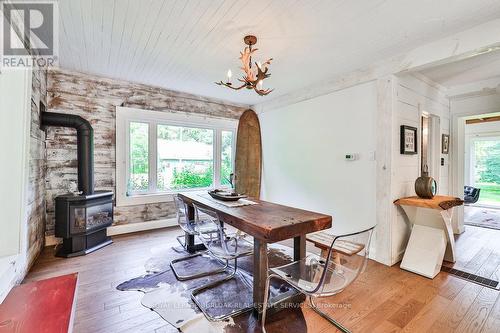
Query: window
[[226, 157], [185, 157], [139, 152], [485, 169], [161, 153]]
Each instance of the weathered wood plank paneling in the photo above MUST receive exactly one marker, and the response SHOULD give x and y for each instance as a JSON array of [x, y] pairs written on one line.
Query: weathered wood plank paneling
[[36, 204], [95, 99]]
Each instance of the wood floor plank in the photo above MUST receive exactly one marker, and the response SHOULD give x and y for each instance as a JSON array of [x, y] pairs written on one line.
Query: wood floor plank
[[105, 324], [429, 314], [376, 317], [131, 322], [475, 318], [149, 327], [363, 305], [457, 310], [386, 327], [468, 244], [496, 275], [406, 313], [492, 324], [478, 260], [452, 288]]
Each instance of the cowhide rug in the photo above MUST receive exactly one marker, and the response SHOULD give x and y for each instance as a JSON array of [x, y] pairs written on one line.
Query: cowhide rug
[[171, 298]]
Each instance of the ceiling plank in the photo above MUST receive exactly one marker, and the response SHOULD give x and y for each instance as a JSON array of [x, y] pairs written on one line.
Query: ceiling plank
[[188, 44], [71, 29]]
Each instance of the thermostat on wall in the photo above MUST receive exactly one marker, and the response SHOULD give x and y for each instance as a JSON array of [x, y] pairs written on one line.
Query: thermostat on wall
[[351, 157]]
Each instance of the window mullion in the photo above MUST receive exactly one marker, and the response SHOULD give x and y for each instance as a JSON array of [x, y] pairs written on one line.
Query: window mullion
[[127, 156], [152, 157], [217, 157], [233, 152]]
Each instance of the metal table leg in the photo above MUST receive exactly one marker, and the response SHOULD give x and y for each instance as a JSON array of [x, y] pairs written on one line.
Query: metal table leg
[[299, 247]]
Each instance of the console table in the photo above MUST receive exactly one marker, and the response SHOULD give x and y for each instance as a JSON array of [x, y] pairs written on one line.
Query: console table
[[431, 237]]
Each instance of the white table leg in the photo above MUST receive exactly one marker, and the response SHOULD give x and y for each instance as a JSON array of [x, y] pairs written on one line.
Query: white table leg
[[425, 251], [447, 216], [431, 240]]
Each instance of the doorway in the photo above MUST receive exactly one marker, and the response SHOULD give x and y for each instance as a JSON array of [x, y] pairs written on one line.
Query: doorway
[[430, 145], [474, 149], [482, 172]]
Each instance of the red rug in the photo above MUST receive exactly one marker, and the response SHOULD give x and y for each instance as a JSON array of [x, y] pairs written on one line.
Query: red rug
[[44, 306]]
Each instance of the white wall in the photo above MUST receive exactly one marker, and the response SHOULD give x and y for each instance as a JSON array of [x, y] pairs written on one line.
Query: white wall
[[15, 93], [413, 96], [304, 145]]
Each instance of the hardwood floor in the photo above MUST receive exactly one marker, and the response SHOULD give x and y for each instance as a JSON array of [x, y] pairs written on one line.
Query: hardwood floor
[[478, 252], [383, 299]]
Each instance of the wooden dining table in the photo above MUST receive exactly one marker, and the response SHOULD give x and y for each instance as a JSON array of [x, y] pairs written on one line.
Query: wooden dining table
[[266, 222]]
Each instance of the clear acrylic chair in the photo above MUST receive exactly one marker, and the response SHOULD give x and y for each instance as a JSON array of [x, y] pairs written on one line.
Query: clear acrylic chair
[[223, 246], [205, 226], [316, 276]]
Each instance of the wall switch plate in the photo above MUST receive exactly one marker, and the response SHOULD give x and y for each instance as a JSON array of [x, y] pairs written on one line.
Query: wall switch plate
[[372, 156], [351, 157]]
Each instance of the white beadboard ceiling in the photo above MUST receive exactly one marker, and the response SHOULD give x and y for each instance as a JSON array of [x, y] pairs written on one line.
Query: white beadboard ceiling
[[479, 68], [186, 45]]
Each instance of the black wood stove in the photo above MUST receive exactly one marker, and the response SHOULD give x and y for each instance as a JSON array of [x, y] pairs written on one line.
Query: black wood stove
[[82, 218], [81, 221]]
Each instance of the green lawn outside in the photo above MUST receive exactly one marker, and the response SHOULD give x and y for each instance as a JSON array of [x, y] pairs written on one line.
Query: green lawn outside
[[490, 192]]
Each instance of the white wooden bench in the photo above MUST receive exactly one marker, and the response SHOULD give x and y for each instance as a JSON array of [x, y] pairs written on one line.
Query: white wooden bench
[[323, 240]]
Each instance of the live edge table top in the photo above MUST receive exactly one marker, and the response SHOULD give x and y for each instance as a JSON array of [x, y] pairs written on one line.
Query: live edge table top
[[439, 202], [267, 221]]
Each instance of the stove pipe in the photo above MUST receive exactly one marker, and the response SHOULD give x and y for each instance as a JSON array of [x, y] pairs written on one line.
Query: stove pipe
[[85, 145]]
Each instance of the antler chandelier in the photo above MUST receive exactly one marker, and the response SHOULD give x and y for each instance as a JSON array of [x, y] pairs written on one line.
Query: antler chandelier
[[252, 79]]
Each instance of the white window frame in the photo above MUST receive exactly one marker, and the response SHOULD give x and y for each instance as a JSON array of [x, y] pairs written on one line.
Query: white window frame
[[125, 115]]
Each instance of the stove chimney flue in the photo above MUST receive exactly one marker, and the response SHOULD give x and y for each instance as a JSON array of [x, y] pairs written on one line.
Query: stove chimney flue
[[85, 145]]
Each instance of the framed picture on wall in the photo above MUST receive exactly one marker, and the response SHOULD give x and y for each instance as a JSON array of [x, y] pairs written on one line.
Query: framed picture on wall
[[445, 143], [408, 140]]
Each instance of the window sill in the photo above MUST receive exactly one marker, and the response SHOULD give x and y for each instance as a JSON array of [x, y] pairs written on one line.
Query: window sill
[[141, 199], [124, 200]]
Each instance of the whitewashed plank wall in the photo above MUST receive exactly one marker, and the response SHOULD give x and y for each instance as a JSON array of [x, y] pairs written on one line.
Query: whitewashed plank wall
[[95, 99], [413, 96], [36, 205]]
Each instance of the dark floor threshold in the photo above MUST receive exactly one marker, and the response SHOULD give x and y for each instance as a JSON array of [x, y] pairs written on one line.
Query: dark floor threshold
[[472, 277]]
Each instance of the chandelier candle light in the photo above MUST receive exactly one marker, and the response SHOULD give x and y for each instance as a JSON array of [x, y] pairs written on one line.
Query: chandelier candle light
[[251, 79]]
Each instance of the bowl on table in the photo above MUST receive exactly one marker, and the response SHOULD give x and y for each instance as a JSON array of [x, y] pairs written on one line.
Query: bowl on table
[[226, 195]]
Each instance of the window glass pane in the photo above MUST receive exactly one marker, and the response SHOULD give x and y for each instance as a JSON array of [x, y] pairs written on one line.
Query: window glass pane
[[486, 168], [226, 157], [139, 153], [185, 157]]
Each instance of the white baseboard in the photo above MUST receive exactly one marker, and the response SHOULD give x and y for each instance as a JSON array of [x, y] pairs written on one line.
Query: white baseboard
[[120, 229], [141, 226], [7, 275]]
